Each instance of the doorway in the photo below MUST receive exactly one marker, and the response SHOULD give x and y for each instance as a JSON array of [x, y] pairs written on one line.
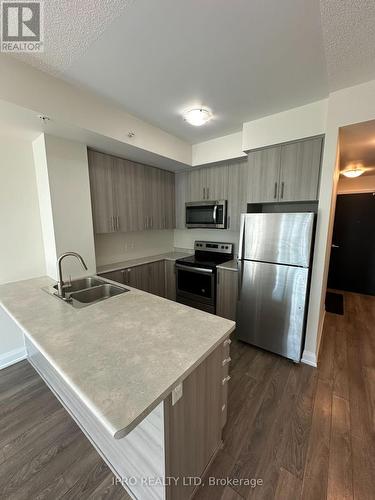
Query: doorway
[[352, 264]]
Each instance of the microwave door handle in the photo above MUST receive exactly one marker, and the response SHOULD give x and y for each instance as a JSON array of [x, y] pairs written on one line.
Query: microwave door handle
[[215, 213]]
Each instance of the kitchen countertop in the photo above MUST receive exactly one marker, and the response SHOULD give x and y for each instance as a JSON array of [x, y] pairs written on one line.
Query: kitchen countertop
[[121, 356], [231, 265], [143, 260]]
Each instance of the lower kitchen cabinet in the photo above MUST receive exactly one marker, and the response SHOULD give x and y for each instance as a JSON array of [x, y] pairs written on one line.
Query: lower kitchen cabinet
[[226, 294], [170, 280], [147, 277], [193, 425]]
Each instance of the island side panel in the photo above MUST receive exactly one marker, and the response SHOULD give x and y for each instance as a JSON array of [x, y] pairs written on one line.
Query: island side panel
[[140, 454], [193, 425]]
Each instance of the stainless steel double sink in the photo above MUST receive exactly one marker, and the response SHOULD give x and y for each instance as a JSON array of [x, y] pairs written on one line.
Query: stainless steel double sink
[[87, 291]]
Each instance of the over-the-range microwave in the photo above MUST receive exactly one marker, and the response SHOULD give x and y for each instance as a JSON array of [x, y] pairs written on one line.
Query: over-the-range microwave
[[207, 214]]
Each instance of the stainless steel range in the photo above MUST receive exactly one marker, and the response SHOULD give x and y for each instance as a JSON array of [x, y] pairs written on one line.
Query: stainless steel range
[[196, 275]]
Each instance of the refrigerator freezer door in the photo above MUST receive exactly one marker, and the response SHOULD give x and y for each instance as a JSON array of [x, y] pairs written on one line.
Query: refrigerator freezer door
[[283, 238], [271, 307]]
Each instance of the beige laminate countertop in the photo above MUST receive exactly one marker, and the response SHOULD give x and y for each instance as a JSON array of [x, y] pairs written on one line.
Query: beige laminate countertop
[[231, 265], [143, 260], [121, 356]]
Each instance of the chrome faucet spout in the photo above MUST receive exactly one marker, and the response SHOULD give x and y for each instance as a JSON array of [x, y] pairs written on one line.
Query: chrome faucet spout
[[60, 283]]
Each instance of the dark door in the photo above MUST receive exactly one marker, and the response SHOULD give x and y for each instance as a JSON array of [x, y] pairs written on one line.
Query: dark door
[[352, 265]]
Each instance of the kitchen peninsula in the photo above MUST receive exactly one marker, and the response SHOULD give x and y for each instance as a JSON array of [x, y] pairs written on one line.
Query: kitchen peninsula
[[144, 377]]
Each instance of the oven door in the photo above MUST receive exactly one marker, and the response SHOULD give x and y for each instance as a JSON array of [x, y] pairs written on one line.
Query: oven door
[[196, 284], [211, 214]]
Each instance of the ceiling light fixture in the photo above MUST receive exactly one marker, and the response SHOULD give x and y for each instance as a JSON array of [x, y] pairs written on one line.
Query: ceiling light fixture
[[353, 171], [197, 116]]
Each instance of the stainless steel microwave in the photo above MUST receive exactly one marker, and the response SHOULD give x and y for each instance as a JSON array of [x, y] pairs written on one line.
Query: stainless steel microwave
[[208, 214]]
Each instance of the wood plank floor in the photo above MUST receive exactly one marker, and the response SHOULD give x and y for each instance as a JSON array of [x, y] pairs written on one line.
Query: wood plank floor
[[306, 433], [302, 432]]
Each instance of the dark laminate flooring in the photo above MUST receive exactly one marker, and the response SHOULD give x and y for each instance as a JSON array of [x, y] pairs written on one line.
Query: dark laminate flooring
[[303, 432]]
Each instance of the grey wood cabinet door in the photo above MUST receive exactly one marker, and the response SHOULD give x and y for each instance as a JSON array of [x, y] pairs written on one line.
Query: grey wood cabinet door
[[104, 210], [157, 278], [181, 181], [196, 185], [237, 193], [168, 196], [262, 183], [170, 280], [193, 426], [216, 182], [114, 276], [128, 185], [300, 170], [227, 292]]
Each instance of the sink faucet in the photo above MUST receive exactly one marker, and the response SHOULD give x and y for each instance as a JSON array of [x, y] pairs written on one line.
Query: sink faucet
[[60, 283]]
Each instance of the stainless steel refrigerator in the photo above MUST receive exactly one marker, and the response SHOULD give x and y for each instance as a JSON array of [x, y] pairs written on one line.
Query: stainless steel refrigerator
[[274, 266]]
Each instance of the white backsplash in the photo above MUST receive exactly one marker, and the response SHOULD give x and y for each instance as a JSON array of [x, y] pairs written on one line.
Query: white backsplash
[[116, 247], [184, 238]]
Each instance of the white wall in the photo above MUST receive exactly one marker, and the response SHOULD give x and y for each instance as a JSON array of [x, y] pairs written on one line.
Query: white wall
[[363, 184], [116, 247], [33, 89], [21, 248], [296, 123], [65, 203], [219, 149]]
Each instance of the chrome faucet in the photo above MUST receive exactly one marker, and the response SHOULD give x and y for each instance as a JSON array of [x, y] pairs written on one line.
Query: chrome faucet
[[60, 283]]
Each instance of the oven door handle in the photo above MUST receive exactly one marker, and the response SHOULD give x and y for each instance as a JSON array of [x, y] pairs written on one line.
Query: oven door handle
[[195, 269], [215, 213]]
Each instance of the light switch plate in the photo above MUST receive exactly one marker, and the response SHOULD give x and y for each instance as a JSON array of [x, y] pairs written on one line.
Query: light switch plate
[[176, 394]]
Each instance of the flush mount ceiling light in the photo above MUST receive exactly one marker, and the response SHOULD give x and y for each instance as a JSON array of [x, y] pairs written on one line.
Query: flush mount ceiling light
[[353, 171], [197, 116]]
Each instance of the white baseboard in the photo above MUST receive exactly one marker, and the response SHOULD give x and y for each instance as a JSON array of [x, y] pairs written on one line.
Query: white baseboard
[[12, 357], [309, 358]]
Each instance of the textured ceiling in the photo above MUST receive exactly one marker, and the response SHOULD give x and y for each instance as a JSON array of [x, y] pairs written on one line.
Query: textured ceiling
[[357, 145], [349, 37], [70, 27], [242, 58]]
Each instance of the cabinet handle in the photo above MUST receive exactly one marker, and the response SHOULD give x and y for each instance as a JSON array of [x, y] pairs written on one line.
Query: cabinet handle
[[226, 379], [282, 190], [204, 193], [227, 361], [275, 193], [228, 219], [218, 277], [227, 342]]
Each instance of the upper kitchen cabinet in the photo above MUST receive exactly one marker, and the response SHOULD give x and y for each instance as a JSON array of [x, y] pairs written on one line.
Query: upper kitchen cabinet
[[181, 183], [210, 183], [289, 172], [129, 178], [217, 183], [128, 196], [102, 193], [262, 177], [299, 171], [237, 193]]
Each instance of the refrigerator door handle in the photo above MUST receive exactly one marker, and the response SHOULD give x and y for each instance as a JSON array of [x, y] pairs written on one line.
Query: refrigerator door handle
[[242, 233], [240, 280]]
